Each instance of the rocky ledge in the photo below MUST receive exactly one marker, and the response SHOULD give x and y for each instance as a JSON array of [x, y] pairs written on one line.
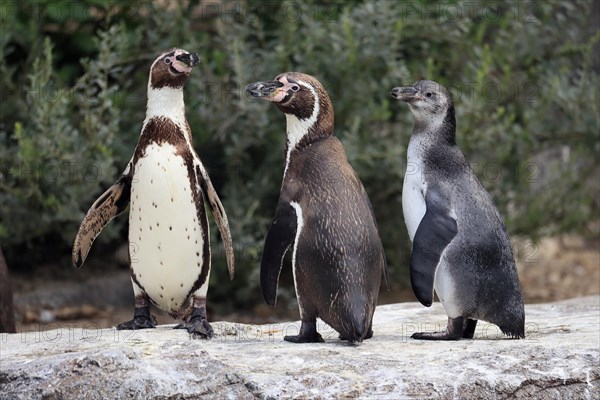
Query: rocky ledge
[[559, 358]]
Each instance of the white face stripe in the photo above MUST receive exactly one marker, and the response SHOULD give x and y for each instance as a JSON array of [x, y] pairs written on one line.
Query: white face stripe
[[298, 128], [299, 226]]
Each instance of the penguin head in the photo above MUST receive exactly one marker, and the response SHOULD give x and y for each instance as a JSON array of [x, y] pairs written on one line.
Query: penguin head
[[172, 68], [299, 96], [430, 102]]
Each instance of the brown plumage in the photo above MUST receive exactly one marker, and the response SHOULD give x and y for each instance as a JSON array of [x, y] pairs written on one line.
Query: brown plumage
[[324, 216]]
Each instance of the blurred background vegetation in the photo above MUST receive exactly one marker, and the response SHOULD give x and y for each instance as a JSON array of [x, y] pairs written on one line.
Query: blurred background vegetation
[[73, 76]]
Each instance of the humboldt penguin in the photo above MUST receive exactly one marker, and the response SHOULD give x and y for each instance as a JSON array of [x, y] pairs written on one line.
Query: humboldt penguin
[[323, 215], [461, 249], [165, 186]]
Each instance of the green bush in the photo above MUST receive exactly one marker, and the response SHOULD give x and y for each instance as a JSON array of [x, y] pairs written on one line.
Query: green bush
[[524, 76]]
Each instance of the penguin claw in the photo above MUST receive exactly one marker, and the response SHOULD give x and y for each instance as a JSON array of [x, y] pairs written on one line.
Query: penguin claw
[[138, 323], [198, 328]]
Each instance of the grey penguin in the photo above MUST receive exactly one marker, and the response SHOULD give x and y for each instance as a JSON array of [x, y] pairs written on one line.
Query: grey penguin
[[165, 186], [324, 215], [460, 246]]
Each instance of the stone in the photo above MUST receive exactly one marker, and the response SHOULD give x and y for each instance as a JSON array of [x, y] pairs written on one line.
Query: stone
[[559, 358]]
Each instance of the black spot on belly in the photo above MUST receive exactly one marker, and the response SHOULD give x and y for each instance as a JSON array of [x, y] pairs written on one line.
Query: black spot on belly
[[182, 285], [197, 254], [170, 228], [162, 287]]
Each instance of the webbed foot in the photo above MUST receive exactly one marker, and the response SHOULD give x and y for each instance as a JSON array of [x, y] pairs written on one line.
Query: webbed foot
[[308, 334], [457, 328], [314, 338], [142, 319], [197, 324]]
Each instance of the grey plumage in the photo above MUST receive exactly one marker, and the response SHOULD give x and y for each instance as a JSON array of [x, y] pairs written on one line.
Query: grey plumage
[[460, 245]]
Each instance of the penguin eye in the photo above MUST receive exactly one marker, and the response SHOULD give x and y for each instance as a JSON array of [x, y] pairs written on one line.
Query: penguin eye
[[295, 88], [168, 60], [428, 94]]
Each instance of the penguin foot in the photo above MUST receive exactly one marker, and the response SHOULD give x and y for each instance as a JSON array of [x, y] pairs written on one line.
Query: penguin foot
[[457, 328], [369, 335], [199, 328], [313, 338], [308, 333], [197, 325], [142, 319], [435, 336]]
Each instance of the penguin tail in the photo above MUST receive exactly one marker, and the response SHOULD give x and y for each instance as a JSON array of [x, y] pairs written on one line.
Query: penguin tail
[[355, 333], [359, 325], [518, 333], [514, 325]]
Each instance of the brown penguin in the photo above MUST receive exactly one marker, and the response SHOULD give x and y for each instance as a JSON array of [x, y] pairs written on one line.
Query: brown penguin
[[324, 216]]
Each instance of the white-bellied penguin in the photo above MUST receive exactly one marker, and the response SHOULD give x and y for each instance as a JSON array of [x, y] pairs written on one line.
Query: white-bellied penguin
[[165, 186], [461, 249], [323, 215]]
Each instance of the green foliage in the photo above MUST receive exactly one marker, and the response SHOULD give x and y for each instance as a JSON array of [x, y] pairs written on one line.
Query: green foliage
[[524, 76]]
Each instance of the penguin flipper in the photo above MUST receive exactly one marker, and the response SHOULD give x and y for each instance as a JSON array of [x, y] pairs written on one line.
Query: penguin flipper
[[279, 239], [434, 234], [110, 204], [219, 215]]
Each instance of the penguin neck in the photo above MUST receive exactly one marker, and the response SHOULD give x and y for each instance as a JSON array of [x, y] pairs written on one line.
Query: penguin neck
[[302, 132], [166, 102], [437, 130]]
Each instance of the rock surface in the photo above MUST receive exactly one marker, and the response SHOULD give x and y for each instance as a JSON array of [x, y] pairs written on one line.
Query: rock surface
[[560, 358]]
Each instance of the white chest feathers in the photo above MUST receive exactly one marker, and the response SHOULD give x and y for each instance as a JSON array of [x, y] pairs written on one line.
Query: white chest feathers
[[297, 129], [413, 200], [166, 237]]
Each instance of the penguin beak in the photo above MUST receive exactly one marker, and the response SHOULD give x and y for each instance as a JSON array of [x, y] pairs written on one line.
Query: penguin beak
[[189, 59], [263, 89], [407, 94]]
